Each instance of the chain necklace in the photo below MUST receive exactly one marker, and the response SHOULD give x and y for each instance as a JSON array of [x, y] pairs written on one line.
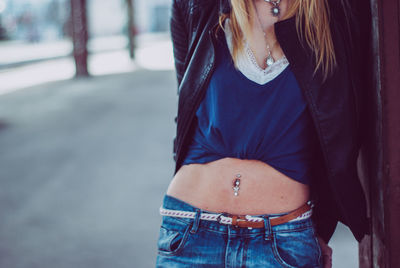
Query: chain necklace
[[275, 9], [270, 60]]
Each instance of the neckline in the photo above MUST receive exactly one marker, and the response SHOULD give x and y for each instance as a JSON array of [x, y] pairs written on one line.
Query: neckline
[[266, 84], [254, 76], [247, 65], [247, 49]]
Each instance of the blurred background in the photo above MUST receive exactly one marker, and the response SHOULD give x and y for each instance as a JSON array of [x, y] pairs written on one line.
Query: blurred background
[[87, 102]]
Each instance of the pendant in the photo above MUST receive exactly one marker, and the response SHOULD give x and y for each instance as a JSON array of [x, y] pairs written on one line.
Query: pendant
[[275, 10], [236, 184], [270, 60]]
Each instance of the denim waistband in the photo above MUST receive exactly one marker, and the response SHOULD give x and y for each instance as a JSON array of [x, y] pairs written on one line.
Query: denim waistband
[[171, 202]]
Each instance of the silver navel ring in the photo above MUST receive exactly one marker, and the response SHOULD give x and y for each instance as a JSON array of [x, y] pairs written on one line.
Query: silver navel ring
[[236, 184]]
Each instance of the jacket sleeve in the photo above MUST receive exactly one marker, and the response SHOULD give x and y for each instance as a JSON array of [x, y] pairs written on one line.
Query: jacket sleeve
[[353, 17], [359, 30], [179, 36]]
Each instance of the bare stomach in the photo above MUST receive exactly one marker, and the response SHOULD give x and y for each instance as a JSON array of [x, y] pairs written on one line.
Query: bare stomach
[[262, 188]]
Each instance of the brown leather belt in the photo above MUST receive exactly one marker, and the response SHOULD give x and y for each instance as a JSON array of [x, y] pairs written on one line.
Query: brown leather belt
[[241, 221]]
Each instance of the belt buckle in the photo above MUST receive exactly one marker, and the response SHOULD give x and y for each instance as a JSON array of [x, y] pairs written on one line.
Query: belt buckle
[[239, 218], [235, 218]]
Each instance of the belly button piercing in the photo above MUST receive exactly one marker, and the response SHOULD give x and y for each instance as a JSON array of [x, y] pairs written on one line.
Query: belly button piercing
[[236, 184]]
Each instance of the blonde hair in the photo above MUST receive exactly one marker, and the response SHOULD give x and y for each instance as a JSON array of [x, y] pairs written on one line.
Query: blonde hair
[[312, 22]]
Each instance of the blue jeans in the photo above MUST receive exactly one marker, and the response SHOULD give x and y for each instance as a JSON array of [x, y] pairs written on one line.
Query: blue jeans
[[186, 242]]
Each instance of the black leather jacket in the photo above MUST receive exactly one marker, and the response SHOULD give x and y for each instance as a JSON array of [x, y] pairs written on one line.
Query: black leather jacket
[[334, 104]]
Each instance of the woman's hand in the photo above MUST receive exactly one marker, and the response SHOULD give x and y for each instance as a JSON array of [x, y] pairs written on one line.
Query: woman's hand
[[326, 253]]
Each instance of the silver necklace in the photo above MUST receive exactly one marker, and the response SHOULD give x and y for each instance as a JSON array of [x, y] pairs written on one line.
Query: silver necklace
[[275, 9], [270, 60]]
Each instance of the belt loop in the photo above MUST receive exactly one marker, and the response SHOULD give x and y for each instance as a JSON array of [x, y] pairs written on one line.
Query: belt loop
[[267, 228], [196, 221]]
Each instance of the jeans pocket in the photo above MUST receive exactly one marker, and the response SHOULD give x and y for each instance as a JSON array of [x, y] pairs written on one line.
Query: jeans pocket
[[297, 248], [173, 236]]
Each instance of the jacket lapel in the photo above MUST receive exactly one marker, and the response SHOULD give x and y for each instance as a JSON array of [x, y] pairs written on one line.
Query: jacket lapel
[[297, 52]]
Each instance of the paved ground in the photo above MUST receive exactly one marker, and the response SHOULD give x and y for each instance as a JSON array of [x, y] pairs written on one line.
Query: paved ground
[[82, 163]]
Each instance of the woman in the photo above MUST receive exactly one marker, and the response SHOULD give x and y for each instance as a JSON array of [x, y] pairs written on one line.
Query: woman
[[267, 135]]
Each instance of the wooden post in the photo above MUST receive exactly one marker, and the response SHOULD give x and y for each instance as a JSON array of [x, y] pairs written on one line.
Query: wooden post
[[79, 36], [131, 28], [380, 158], [390, 70]]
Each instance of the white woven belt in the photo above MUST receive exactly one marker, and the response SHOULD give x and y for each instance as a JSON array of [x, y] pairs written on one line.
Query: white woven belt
[[220, 217]]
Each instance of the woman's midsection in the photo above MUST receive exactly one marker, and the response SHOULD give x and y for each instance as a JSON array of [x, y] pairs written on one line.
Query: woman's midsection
[[262, 188]]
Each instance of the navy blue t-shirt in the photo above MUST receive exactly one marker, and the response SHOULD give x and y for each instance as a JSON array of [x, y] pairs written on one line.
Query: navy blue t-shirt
[[240, 118]]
